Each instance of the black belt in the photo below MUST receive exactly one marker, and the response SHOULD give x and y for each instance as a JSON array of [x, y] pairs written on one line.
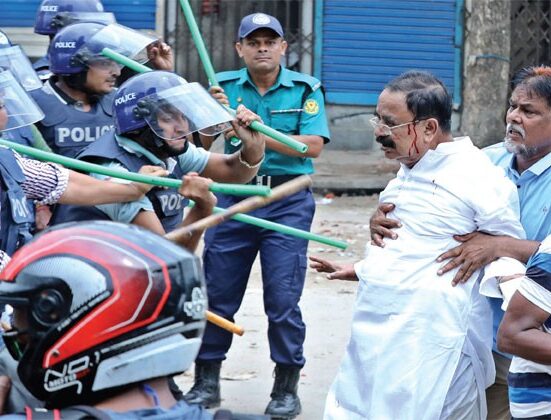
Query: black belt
[[271, 181]]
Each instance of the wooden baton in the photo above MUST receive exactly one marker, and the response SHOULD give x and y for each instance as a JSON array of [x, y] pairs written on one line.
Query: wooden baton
[[244, 206]]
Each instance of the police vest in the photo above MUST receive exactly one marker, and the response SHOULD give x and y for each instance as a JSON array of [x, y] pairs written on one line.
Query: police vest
[[16, 211], [167, 203], [21, 135], [67, 130]]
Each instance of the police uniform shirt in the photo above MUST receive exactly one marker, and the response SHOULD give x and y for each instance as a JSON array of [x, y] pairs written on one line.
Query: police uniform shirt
[[193, 160], [294, 106]]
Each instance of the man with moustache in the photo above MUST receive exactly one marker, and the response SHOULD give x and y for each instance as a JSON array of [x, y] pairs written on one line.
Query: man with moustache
[[420, 348], [292, 103], [525, 155]]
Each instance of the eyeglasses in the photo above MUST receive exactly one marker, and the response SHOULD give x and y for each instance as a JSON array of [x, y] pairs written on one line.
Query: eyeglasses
[[385, 129], [104, 64]]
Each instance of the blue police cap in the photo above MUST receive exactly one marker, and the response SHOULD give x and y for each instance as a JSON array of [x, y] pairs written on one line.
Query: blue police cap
[[251, 23]]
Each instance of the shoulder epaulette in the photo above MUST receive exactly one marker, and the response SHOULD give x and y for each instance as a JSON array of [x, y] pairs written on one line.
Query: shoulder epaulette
[[228, 75], [311, 81]]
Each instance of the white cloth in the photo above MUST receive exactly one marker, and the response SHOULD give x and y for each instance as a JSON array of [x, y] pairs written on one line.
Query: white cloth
[[490, 285], [410, 326]]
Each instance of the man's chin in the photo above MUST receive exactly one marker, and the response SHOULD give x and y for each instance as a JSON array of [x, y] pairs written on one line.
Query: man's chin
[[176, 149], [520, 149]]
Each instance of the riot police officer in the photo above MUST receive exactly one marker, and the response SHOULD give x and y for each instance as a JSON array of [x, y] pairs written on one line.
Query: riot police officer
[[77, 100], [52, 15], [23, 180], [155, 115]]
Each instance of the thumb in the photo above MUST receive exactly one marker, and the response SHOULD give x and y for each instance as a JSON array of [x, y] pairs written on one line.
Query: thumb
[[5, 386], [464, 238], [386, 207]]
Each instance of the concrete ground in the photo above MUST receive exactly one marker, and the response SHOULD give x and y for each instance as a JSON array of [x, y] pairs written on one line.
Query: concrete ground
[[327, 310]]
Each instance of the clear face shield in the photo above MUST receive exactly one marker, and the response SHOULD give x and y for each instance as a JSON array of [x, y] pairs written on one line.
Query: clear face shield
[[123, 40], [16, 104], [179, 111], [63, 19], [14, 59]]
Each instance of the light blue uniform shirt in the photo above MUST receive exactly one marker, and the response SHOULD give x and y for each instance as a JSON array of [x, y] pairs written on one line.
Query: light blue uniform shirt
[[294, 106], [193, 160], [534, 193]]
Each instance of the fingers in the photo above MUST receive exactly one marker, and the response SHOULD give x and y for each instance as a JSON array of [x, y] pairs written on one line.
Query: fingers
[[218, 93], [153, 170], [196, 188], [321, 265], [5, 386], [245, 116], [386, 207], [381, 226], [450, 253], [464, 273], [229, 134], [377, 240], [466, 237]]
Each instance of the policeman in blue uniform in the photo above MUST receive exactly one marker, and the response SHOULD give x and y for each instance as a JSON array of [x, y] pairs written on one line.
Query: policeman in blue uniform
[[12, 58], [155, 115], [292, 103], [52, 15], [77, 100]]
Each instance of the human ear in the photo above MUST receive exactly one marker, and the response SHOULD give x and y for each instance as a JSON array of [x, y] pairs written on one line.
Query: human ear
[[283, 47], [431, 127], [238, 47]]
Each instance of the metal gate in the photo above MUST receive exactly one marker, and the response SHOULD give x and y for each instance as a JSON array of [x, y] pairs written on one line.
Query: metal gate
[[530, 33], [218, 21]]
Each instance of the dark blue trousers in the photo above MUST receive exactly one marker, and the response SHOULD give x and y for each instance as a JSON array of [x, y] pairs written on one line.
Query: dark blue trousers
[[230, 250]]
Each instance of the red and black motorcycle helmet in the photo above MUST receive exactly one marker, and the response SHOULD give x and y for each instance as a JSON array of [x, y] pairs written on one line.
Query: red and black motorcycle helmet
[[99, 306]]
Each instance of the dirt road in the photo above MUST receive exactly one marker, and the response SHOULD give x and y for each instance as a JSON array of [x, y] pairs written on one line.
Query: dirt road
[[327, 310]]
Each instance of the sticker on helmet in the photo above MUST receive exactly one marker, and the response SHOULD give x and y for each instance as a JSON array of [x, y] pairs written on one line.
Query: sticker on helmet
[[311, 107]]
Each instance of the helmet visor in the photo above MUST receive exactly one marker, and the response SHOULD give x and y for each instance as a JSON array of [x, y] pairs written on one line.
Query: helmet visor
[[15, 60], [19, 106], [123, 40], [176, 112], [63, 19]]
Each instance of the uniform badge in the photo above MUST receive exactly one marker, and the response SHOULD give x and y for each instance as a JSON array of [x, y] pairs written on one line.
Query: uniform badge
[[311, 107]]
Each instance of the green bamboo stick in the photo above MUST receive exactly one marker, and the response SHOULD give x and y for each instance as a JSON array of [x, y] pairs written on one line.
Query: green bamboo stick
[[211, 75], [255, 221], [199, 43], [245, 218], [232, 189]]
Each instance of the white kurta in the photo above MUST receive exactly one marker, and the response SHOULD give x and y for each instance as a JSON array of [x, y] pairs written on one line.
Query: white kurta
[[410, 326]]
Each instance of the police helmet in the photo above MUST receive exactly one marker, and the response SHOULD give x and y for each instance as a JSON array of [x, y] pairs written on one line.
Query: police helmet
[[147, 98], [45, 22], [65, 51], [77, 46], [106, 305]]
